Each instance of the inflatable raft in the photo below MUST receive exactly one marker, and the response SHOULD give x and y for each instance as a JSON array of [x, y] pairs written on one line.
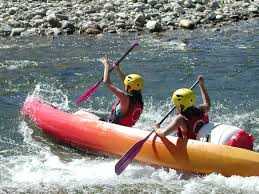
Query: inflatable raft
[[171, 152]]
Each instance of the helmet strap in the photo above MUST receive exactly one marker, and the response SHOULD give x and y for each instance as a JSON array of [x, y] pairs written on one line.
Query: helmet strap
[[127, 89], [181, 108]]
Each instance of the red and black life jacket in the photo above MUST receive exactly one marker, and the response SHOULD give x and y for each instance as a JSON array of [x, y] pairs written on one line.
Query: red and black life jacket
[[128, 119], [195, 119]]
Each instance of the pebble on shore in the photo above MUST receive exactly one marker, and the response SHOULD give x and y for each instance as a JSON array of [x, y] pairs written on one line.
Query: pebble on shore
[[54, 17]]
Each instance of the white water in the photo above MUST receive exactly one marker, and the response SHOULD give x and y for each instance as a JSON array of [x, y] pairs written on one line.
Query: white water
[[31, 163], [44, 169]]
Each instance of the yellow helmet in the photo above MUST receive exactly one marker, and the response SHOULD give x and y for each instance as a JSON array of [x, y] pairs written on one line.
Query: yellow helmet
[[183, 97], [134, 82]]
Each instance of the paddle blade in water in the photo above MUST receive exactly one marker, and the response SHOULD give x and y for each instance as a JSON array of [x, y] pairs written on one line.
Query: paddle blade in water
[[127, 158], [89, 92]]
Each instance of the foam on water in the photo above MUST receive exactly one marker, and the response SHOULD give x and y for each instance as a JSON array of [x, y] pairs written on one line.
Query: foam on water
[[215, 183], [42, 168], [13, 65]]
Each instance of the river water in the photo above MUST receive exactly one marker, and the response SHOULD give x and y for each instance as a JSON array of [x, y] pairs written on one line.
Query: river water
[[60, 69]]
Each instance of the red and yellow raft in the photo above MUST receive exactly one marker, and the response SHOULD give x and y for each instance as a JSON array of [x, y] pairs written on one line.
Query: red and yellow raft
[[171, 152]]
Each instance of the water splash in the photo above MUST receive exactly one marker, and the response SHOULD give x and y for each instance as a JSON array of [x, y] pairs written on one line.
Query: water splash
[[52, 95]]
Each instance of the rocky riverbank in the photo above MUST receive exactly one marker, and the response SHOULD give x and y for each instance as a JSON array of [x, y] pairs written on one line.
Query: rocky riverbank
[[55, 17]]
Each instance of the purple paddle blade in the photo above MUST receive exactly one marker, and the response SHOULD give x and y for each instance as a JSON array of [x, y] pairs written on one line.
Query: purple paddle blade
[[130, 155], [89, 92]]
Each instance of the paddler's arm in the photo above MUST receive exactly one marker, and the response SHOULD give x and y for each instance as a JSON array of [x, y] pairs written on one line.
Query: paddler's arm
[[120, 73], [205, 107], [124, 99], [177, 122]]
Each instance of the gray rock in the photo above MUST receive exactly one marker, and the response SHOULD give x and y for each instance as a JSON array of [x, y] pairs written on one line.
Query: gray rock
[[93, 31], [141, 1], [140, 20], [197, 1], [41, 12], [214, 5], [50, 12], [110, 16], [90, 28], [188, 4], [103, 24], [89, 24], [13, 10], [211, 16], [111, 29], [245, 5], [152, 2], [185, 23], [168, 20], [204, 2], [37, 22], [122, 15], [178, 8], [158, 6], [219, 17], [29, 32], [120, 25], [200, 8], [79, 13], [138, 6], [5, 30], [53, 21], [56, 31], [14, 23], [253, 9], [167, 8], [62, 17], [109, 6], [154, 26], [67, 16], [29, 15], [68, 27], [36, 17], [17, 31]]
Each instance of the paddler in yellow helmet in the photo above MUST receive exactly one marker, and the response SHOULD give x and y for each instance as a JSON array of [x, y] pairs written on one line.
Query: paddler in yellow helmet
[[129, 105], [189, 118]]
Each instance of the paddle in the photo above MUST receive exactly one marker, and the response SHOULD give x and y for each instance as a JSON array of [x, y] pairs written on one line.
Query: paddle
[[127, 158], [91, 90]]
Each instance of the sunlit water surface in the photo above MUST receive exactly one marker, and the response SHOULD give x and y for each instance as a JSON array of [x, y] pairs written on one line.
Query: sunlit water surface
[[60, 70]]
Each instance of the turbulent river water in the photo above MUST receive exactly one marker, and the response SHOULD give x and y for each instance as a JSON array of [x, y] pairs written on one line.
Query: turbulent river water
[[60, 69]]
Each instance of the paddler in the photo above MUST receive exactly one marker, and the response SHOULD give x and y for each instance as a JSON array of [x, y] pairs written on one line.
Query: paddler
[[190, 118], [128, 106]]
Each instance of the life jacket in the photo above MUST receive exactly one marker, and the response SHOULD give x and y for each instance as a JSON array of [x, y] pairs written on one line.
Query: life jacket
[[128, 119], [195, 119]]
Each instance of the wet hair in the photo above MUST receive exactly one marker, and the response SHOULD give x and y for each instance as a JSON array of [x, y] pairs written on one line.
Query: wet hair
[[189, 112], [136, 97]]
